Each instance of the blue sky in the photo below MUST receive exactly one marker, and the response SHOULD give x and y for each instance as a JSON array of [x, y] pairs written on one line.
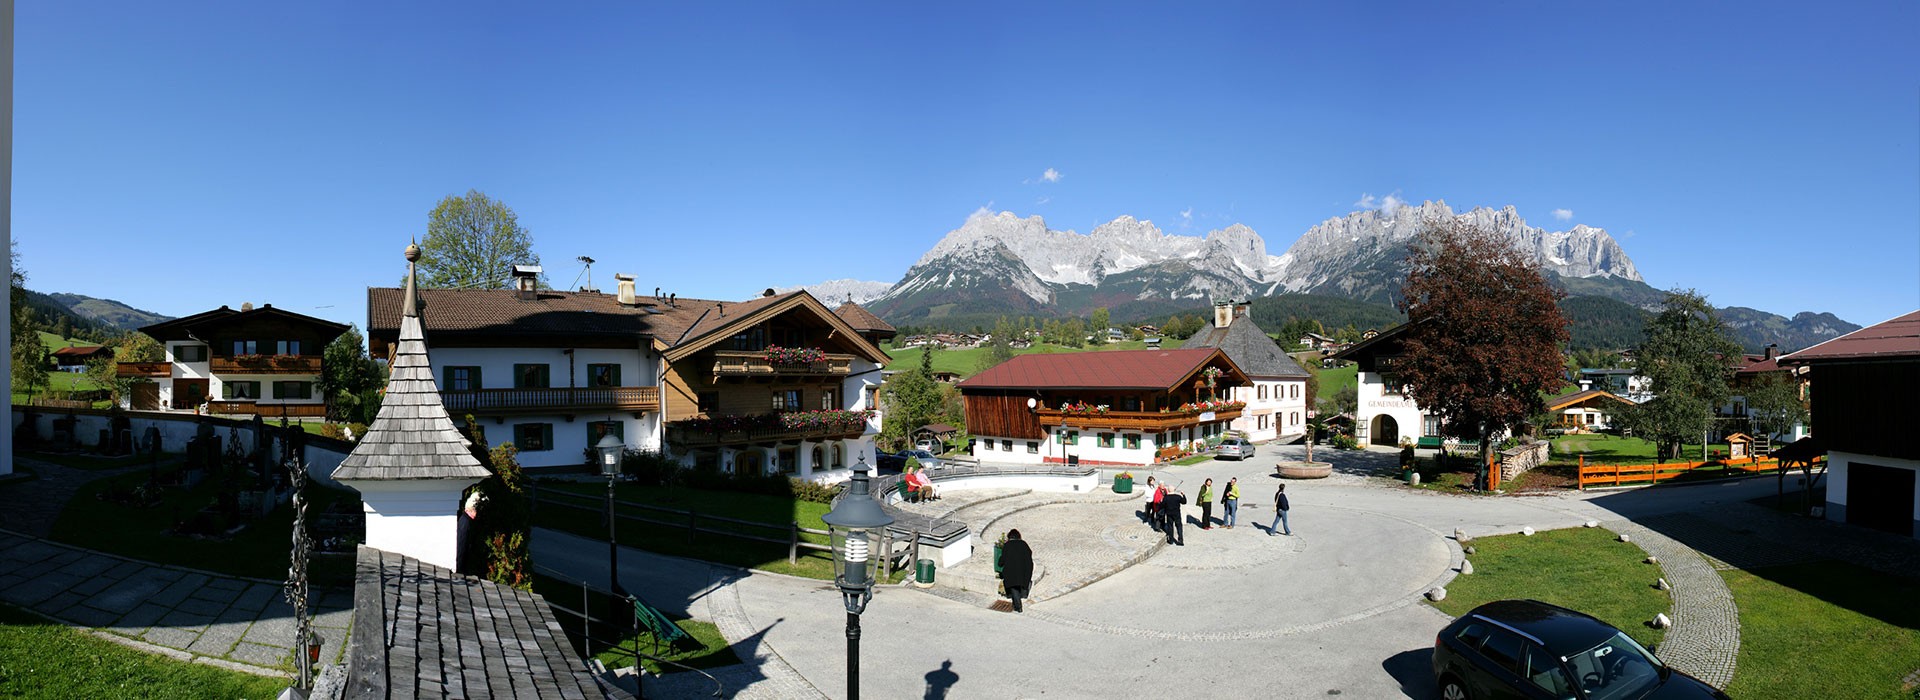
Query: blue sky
[[178, 157]]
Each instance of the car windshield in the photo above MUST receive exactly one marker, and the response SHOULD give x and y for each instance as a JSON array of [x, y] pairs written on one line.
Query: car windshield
[[1617, 668]]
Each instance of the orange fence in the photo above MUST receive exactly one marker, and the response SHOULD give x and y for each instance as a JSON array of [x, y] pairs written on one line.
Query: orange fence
[[1639, 474]]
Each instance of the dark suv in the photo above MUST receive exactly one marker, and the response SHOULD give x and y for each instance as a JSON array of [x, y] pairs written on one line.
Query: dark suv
[[1529, 649]]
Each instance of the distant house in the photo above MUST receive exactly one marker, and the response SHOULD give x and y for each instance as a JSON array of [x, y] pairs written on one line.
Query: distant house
[[1753, 369], [1276, 392], [1624, 383], [1121, 407], [75, 358], [1315, 341], [262, 361], [1861, 416], [1585, 410], [946, 376]]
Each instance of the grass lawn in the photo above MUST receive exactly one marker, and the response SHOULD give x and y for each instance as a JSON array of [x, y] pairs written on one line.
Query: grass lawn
[[58, 384], [1192, 460], [260, 551], [1824, 630], [707, 650], [1613, 449], [1333, 380], [1580, 568], [40, 659], [755, 507], [967, 362]]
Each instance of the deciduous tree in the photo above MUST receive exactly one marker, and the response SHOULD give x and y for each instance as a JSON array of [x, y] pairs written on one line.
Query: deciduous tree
[[1774, 403], [1685, 359], [29, 360], [999, 349], [1485, 332], [472, 241], [1102, 320], [913, 400], [348, 378]]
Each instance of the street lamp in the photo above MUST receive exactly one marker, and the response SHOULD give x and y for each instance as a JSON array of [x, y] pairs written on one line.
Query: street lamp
[[609, 449], [855, 523]]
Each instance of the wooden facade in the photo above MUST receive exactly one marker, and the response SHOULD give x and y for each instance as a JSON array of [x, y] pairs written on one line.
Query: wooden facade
[[1002, 413], [636, 399], [1854, 407]]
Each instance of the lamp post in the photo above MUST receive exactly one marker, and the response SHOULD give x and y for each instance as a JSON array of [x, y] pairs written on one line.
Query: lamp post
[[855, 523], [609, 449]]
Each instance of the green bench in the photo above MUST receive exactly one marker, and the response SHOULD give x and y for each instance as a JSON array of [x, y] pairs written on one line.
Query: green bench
[[651, 622]]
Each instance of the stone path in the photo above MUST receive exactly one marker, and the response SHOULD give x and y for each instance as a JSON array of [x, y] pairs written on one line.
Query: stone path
[[1705, 638], [30, 506], [238, 623]]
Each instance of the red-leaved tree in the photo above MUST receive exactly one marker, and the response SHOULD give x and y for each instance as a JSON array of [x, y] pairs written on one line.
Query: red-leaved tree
[[1485, 335]]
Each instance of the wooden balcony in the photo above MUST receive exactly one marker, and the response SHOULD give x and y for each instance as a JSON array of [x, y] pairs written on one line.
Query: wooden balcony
[[267, 364], [731, 363], [268, 410], [620, 398], [687, 437], [152, 370], [1144, 421]]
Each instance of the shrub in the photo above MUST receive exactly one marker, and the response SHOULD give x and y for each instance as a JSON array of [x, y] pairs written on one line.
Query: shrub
[[333, 430], [912, 465], [1345, 442], [649, 467], [811, 491]]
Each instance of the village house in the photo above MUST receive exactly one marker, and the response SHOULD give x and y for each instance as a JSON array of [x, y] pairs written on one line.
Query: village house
[[1276, 391], [1585, 410], [1624, 383], [1751, 370], [262, 361], [74, 358], [1384, 414], [1865, 379], [779, 384], [1315, 341], [1118, 407]]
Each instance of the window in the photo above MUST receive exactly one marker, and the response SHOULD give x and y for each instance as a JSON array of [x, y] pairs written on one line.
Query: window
[[829, 399], [287, 347], [1296, 418], [1293, 391], [1545, 671], [246, 347], [603, 376], [1263, 391], [839, 455], [786, 400], [1106, 440], [530, 377], [1472, 635], [1130, 403], [533, 437], [1430, 426], [600, 429], [986, 445], [1070, 437], [463, 378], [1132, 441], [709, 401], [873, 398], [1033, 447], [1006, 445], [240, 390], [190, 353], [293, 390], [1503, 648], [751, 339], [789, 337]]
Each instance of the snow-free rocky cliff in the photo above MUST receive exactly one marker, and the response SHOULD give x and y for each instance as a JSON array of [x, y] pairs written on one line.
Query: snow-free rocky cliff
[[1002, 262]]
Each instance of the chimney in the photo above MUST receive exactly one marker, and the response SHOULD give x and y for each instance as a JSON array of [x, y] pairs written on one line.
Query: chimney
[[1223, 313], [1240, 308], [526, 281], [625, 282], [1773, 349]]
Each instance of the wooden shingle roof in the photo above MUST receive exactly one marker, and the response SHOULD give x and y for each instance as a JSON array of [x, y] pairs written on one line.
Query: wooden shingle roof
[[1250, 348], [861, 319], [412, 437]]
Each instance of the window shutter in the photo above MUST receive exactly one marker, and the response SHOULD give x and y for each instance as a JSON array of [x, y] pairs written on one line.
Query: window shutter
[[226, 390]]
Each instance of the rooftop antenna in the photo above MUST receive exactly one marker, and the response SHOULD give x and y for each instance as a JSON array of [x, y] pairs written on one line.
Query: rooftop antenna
[[588, 272]]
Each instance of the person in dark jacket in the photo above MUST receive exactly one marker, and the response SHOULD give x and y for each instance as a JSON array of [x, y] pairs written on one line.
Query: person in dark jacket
[[1170, 507], [1280, 513], [1016, 568]]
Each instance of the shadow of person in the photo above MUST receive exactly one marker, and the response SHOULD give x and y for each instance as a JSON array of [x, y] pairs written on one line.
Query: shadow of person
[[941, 680], [1414, 670]]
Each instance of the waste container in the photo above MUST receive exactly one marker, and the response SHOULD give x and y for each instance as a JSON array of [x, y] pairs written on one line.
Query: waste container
[[923, 572], [1123, 484]]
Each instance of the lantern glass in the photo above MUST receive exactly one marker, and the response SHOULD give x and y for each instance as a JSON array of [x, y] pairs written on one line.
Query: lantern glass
[[854, 563], [609, 448]]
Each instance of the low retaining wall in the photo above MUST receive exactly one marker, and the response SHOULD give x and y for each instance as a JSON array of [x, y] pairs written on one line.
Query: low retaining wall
[[1520, 459], [322, 454]]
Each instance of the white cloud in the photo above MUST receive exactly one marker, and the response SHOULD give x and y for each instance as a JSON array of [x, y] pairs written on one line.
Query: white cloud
[[1563, 214], [1187, 214], [1385, 203], [1051, 175], [1042, 200]]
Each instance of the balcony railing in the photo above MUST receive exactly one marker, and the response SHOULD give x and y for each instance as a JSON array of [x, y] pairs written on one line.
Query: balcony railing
[[267, 364], [620, 398], [1149, 421], [269, 410], [732, 363], [692, 437], [143, 369]]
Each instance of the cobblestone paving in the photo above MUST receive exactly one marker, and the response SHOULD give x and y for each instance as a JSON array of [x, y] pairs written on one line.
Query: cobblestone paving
[[238, 623], [1077, 539], [954, 501], [30, 506], [1724, 548], [1705, 638]]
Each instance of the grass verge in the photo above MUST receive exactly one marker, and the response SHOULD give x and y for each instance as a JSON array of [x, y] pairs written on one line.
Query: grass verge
[[1824, 630], [1585, 569], [40, 659], [669, 534], [1192, 460]]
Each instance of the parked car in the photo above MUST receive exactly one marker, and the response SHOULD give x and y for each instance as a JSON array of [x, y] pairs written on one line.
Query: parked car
[[898, 460], [1237, 448], [1530, 649], [930, 445]]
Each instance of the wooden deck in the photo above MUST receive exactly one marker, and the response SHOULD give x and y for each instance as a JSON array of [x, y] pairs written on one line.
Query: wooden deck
[[268, 410], [730, 363], [143, 369], [1147, 421], [623, 398], [268, 364]]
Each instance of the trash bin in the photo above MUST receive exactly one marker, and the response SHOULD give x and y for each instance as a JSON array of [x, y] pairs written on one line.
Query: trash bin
[[923, 572], [1123, 484]]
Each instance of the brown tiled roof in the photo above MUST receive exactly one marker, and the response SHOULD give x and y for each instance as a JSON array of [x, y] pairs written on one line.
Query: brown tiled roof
[[486, 311], [80, 351], [1570, 400], [411, 437], [861, 319], [1109, 369], [1898, 337], [183, 328]]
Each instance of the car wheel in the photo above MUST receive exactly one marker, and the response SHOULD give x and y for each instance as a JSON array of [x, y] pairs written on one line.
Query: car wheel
[[1453, 689]]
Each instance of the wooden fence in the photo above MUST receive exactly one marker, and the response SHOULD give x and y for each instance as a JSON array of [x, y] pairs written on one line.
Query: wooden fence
[[1647, 474]]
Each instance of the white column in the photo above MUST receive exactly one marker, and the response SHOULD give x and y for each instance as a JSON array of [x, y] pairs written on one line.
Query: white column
[[805, 455], [769, 460]]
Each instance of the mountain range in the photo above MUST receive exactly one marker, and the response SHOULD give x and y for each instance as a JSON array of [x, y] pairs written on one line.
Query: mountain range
[[1003, 264], [108, 311]]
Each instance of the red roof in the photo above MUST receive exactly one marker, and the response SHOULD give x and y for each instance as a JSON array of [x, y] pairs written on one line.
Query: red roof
[[1110, 369], [1895, 338], [80, 351]]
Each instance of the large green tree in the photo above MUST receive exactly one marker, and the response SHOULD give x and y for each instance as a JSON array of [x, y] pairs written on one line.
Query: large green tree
[[1000, 348], [472, 241], [1102, 320], [913, 399], [29, 360], [1685, 358], [350, 378], [1774, 403], [1485, 332]]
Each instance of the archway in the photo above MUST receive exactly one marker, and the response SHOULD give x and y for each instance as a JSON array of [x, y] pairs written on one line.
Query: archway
[[747, 462], [1386, 431]]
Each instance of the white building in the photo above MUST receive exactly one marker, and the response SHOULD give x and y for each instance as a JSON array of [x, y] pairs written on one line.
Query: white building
[[1276, 388], [1384, 415], [262, 361]]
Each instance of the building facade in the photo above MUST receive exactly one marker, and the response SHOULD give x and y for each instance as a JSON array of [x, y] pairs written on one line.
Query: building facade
[[1863, 380], [1119, 407], [1276, 388], [262, 361]]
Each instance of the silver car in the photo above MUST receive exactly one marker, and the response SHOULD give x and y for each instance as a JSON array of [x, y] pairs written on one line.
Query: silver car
[[1237, 448]]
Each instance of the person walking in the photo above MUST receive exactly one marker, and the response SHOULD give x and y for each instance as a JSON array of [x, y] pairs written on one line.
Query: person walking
[[1206, 505], [1154, 492], [1016, 568], [1231, 500], [1170, 508], [1280, 513]]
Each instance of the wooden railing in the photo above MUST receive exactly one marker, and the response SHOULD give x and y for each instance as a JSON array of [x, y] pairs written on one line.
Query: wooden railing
[[1130, 420], [691, 437], [730, 363], [1647, 474], [270, 410], [268, 364], [143, 369], [620, 398]]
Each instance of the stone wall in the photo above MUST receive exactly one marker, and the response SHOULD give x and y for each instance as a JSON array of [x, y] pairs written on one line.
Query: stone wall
[[1518, 460], [175, 429]]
